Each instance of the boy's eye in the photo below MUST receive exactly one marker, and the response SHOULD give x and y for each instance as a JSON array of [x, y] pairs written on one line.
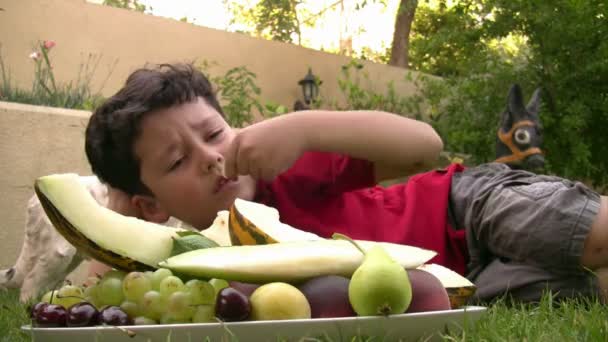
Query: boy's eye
[[215, 134], [177, 163]]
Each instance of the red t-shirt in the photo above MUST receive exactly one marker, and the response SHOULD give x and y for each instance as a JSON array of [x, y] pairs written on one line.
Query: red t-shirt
[[325, 193]]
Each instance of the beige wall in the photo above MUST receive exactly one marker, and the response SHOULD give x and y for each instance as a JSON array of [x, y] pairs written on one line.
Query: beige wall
[[80, 28], [36, 141]]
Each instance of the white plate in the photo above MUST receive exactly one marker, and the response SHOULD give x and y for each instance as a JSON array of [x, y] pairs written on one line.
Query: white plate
[[406, 326]]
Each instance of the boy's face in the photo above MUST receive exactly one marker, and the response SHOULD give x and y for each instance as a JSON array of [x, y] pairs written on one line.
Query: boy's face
[[180, 149]]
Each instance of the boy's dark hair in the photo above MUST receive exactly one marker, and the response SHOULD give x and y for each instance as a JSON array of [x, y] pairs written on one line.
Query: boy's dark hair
[[115, 125]]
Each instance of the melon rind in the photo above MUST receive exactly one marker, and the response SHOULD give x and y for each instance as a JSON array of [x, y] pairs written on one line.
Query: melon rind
[[123, 242]]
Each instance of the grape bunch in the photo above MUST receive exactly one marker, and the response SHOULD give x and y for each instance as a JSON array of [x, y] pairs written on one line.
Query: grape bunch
[[120, 298]]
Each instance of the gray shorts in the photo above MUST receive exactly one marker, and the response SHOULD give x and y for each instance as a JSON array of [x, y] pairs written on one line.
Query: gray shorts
[[525, 232]]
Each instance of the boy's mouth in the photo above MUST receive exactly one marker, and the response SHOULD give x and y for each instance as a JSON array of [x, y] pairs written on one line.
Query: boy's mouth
[[221, 182]]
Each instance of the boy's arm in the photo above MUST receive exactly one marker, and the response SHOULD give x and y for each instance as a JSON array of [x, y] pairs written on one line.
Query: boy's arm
[[398, 146]]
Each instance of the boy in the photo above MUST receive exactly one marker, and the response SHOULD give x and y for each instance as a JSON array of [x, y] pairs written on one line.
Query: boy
[[162, 138]]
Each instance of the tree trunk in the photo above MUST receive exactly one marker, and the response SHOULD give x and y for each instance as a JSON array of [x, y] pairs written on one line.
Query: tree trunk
[[401, 37]]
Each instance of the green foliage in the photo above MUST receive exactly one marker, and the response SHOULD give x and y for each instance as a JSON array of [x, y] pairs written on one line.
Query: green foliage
[[481, 47], [270, 19], [359, 93], [239, 95], [46, 91], [133, 5], [277, 19]]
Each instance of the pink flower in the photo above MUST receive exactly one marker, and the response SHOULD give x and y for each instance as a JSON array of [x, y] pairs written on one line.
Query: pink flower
[[35, 55], [48, 44]]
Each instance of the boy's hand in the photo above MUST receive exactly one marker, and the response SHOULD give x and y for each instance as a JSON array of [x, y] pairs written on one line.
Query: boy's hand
[[265, 149]]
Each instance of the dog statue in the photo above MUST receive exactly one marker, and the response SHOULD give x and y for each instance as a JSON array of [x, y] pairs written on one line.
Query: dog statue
[[46, 258], [519, 139]]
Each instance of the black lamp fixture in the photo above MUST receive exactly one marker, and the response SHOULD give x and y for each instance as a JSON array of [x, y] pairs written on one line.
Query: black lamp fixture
[[310, 88]]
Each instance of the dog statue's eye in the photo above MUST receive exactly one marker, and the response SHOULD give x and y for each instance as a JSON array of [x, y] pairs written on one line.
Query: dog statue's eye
[[522, 136]]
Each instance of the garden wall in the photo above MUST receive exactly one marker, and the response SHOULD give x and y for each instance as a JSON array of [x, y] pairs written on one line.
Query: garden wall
[[34, 141], [134, 39]]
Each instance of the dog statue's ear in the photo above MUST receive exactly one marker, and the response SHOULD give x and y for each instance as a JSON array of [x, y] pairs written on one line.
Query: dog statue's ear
[[515, 102], [535, 102]]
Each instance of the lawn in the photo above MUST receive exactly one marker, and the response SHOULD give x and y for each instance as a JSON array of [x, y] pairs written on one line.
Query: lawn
[[575, 320]]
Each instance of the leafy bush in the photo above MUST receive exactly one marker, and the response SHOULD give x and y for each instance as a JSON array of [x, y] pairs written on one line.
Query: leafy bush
[[560, 46], [45, 91], [239, 95]]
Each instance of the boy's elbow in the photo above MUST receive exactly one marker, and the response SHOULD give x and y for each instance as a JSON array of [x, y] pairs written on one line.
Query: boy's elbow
[[435, 144], [434, 147]]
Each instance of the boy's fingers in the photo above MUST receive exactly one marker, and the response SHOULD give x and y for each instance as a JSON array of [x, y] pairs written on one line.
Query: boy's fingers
[[243, 166], [230, 166]]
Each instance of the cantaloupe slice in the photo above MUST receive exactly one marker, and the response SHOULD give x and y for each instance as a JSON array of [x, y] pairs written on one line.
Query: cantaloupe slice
[[252, 223]]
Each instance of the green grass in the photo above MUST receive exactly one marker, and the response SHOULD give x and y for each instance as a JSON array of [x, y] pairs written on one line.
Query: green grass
[[12, 316], [574, 320]]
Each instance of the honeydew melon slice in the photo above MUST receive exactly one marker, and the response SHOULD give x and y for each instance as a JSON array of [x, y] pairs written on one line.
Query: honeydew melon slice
[[126, 243], [292, 261]]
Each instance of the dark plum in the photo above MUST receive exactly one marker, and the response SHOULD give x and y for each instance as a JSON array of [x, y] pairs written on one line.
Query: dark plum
[[33, 310], [50, 316], [428, 294], [245, 288], [232, 305], [113, 315], [82, 314], [328, 296]]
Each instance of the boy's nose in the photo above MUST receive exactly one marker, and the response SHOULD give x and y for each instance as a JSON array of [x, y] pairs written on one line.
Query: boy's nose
[[212, 162]]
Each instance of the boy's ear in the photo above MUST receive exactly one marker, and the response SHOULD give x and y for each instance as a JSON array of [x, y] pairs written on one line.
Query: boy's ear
[[150, 209]]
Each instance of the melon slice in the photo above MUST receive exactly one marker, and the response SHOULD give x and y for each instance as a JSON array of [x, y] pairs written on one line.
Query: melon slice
[[286, 261], [252, 223], [126, 243], [459, 288], [218, 231]]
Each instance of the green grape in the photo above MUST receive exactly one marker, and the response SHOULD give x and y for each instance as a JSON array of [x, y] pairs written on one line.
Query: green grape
[[91, 290], [178, 306], [69, 295], [169, 285], [142, 320], [149, 275], [110, 291], [49, 297], [134, 285], [114, 273], [91, 295], [130, 308], [204, 314], [158, 276], [201, 292], [218, 284], [167, 318], [152, 305]]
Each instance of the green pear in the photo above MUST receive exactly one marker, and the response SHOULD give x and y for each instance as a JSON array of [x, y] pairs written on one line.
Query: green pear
[[380, 285]]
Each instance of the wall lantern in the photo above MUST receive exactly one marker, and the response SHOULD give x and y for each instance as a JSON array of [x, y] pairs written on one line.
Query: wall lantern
[[310, 88]]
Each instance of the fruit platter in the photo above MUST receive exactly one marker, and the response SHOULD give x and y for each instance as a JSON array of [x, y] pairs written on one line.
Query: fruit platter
[[248, 277]]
